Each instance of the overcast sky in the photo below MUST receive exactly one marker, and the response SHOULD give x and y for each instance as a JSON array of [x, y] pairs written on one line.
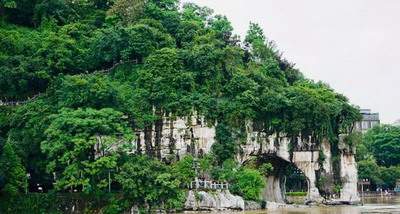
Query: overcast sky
[[353, 45]]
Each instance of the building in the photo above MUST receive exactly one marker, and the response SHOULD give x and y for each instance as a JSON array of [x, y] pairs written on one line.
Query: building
[[369, 120]]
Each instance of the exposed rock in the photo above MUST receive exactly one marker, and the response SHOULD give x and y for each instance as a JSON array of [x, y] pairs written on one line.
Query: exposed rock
[[252, 205], [191, 202], [348, 173], [179, 133], [307, 162], [206, 201], [191, 135], [272, 191], [270, 205], [226, 200], [335, 202], [326, 150], [220, 200]]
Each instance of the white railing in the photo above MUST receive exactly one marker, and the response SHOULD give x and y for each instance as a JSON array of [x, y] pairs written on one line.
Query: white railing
[[206, 184], [18, 102]]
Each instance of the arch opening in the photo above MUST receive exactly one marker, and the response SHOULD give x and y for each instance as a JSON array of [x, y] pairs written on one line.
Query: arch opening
[[296, 185], [285, 178]]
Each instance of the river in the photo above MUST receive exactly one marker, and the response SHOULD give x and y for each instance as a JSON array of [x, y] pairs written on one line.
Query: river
[[372, 205]]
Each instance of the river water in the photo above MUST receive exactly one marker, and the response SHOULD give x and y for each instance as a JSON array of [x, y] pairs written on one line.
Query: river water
[[374, 205]]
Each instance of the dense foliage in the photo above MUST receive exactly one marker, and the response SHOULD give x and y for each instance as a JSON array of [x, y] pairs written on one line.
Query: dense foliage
[[101, 70], [379, 156]]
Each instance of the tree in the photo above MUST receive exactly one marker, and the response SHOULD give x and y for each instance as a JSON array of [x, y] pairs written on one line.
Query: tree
[[225, 147], [17, 11], [12, 171], [27, 125], [62, 53], [127, 10], [390, 175], [93, 91], [143, 40], [384, 142], [108, 68], [114, 44], [369, 169], [82, 146], [255, 42], [184, 170], [248, 183], [223, 28], [58, 9], [147, 182]]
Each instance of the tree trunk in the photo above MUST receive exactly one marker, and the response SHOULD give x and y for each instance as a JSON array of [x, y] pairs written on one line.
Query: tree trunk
[[192, 143], [138, 144], [171, 137], [148, 132], [158, 130]]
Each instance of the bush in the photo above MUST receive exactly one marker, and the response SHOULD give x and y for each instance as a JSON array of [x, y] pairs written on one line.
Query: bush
[[248, 183], [184, 170], [148, 181]]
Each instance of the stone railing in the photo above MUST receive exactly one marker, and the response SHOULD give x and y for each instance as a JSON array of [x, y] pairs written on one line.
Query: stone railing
[[22, 102], [211, 185], [133, 61], [18, 102]]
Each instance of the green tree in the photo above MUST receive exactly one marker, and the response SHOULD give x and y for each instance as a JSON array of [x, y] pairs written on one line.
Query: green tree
[[127, 10], [184, 170], [248, 183], [225, 148], [369, 169], [390, 175], [82, 146], [384, 142], [12, 171], [147, 182]]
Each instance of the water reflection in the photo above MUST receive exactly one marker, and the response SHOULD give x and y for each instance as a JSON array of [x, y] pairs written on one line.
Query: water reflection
[[372, 205]]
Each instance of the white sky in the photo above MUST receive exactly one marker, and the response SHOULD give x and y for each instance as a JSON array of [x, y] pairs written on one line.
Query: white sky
[[353, 45]]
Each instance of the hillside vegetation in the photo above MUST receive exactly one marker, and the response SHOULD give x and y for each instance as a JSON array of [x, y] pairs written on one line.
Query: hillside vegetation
[[101, 70]]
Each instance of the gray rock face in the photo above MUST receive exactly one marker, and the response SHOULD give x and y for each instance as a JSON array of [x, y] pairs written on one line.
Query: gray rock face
[[348, 173], [307, 162], [220, 200], [225, 200], [349, 178], [270, 205], [182, 132], [252, 205], [206, 201], [272, 191], [191, 202], [192, 135]]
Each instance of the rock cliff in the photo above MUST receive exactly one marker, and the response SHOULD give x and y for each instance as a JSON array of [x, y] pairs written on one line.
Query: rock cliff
[[213, 201], [177, 137]]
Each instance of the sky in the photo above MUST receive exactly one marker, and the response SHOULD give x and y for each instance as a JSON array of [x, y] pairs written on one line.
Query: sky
[[353, 45]]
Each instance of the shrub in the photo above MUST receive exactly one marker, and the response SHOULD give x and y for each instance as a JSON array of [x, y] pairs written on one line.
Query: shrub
[[248, 183]]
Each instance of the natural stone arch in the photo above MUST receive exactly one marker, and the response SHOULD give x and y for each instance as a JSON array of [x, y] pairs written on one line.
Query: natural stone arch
[[179, 134], [275, 182], [307, 162]]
